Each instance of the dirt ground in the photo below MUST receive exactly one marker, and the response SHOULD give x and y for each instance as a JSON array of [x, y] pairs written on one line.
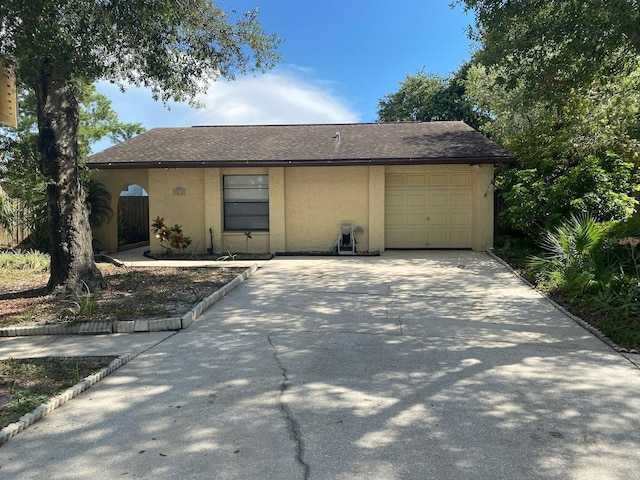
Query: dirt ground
[[132, 293]]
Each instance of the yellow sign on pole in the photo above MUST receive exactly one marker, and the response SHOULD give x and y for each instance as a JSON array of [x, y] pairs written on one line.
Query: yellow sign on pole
[[8, 97]]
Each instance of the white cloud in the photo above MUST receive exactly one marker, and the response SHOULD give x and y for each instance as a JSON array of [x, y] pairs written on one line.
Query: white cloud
[[272, 98], [280, 97]]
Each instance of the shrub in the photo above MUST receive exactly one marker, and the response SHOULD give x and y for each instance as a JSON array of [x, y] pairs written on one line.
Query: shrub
[[571, 262], [171, 238], [544, 195], [25, 260]]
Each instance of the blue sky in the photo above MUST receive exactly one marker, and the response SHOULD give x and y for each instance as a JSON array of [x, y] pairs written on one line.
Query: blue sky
[[340, 58]]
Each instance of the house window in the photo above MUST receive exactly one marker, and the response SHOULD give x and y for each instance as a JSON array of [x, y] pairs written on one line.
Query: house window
[[246, 202]]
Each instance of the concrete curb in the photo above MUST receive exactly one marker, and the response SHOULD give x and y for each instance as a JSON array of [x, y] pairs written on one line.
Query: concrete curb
[[43, 410], [131, 326], [587, 326]]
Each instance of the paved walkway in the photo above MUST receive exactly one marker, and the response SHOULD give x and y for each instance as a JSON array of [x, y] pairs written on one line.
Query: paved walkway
[[413, 365]]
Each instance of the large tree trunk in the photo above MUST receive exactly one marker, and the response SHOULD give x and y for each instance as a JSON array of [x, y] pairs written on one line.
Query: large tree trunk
[[72, 264]]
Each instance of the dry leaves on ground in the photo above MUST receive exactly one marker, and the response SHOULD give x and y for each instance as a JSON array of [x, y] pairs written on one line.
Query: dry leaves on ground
[[132, 293]]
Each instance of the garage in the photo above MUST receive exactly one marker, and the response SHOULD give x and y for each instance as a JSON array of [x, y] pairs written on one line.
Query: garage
[[429, 209]]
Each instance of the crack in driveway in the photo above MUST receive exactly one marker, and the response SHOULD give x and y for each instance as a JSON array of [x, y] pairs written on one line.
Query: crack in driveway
[[389, 307], [292, 424]]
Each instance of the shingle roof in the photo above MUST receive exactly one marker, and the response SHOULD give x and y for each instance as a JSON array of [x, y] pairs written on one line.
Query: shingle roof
[[304, 145]]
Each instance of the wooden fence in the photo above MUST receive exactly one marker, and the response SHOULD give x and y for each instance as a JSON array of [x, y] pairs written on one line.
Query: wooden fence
[[17, 232], [133, 220]]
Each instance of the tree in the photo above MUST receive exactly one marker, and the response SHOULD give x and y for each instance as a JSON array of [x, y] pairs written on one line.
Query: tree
[[430, 97], [576, 157], [554, 46], [23, 181], [561, 82], [172, 47]]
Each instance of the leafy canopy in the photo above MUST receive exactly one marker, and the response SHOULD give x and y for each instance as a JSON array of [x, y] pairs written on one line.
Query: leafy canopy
[[552, 46], [575, 157], [172, 47], [430, 97]]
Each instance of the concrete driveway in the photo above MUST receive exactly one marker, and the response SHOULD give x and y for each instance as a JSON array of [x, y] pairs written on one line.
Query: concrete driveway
[[413, 365]]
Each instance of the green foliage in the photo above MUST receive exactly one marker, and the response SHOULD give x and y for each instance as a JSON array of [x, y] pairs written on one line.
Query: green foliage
[[98, 120], [619, 250], [539, 198], [571, 263], [6, 210], [429, 97], [83, 306], [24, 260], [31, 211], [21, 175], [589, 266], [515, 249], [98, 201], [553, 46], [173, 48], [130, 232], [561, 82], [581, 156], [171, 238], [621, 300]]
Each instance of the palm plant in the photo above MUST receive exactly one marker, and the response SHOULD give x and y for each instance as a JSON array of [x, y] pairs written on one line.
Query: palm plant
[[98, 201], [572, 262]]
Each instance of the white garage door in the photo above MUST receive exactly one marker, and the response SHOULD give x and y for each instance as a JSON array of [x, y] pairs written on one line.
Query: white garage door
[[428, 210]]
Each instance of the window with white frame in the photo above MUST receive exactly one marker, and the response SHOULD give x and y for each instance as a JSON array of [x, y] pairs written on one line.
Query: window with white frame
[[246, 203]]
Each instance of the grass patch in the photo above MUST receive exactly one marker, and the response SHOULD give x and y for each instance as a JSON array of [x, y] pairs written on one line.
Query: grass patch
[[25, 384], [32, 260]]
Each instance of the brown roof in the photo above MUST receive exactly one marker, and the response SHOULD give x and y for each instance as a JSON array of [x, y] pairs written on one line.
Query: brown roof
[[304, 145]]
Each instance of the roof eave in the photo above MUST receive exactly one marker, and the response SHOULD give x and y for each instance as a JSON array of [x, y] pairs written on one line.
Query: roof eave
[[304, 163]]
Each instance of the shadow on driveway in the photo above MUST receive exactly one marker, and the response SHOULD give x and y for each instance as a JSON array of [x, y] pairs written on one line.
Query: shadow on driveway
[[427, 365]]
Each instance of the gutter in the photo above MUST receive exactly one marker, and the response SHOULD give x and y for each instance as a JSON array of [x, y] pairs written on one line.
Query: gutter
[[302, 163]]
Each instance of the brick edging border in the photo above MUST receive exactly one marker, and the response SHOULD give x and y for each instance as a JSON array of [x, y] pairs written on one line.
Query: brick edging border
[[43, 410], [587, 326], [131, 326]]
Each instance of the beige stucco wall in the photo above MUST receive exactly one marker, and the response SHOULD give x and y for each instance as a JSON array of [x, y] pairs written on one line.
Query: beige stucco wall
[[318, 199], [483, 207], [376, 208], [176, 194], [306, 206], [277, 210]]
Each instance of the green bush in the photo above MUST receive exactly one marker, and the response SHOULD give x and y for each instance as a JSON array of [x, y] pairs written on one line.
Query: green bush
[[544, 195]]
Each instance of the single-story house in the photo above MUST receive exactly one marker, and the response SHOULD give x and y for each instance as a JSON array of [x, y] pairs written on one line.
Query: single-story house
[[410, 185]]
